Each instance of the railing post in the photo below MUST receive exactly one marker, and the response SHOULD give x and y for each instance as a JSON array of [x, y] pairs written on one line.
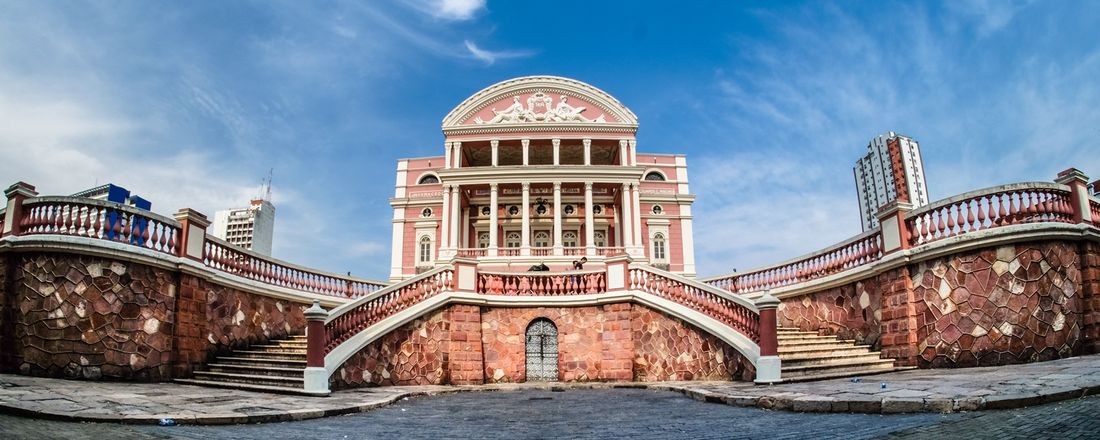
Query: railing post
[[617, 272], [1077, 181], [13, 216], [465, 275], [316, 376], [192, 233], [768, 365], [895, 231]]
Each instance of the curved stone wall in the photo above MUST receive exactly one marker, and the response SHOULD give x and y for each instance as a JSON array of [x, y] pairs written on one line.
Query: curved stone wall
[[84, 317], [614, 342]]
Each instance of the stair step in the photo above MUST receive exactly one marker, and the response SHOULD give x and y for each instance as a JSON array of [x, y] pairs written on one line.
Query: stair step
[[249, 378], [248, 387], [262, 362], [798, 337], [837, 375], [792, 333], [821, 350], [277, 349], [816, 343], [269, 355], [256, 370], [806, 360], [836, 367]]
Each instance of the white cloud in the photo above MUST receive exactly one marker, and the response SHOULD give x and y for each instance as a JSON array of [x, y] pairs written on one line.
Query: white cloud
[[454, 10], [490, 57]]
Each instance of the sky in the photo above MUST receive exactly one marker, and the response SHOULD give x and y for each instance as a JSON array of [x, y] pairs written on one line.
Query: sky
[[190, 104]]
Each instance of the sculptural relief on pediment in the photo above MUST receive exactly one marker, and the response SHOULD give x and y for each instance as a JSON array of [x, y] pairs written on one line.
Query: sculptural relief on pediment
[[539, 107]]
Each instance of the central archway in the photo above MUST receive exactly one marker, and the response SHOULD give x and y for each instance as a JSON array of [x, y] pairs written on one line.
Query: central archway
[[542, 351]]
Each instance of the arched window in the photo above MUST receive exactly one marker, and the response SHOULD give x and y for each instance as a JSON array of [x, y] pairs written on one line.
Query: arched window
[[569, 239], [511, 239], [659, 247], [425, 249], [655, 176], [600, 238], [483, 240], [542, 239], [431, 179]]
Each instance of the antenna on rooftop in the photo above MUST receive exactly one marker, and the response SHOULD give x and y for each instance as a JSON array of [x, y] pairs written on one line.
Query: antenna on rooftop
[[267, 195]]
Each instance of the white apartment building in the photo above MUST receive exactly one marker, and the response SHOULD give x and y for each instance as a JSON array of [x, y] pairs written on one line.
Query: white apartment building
[[251, 228], [878, 182]]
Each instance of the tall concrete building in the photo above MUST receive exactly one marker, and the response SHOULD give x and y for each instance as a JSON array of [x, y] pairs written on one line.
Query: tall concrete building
[[251, 228], [891, 170]]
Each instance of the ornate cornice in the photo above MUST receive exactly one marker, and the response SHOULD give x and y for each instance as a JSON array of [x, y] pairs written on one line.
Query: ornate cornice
[[626, 121]]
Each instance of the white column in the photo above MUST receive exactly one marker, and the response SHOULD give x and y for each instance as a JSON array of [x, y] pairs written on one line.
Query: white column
[[458, 155], [526, 148], [633, 152], [525, 208], [622, 152], [464, 238], [456, 208], [557, 218], [637, 227], [589, 231], [627, 218], [493, 220], [557, 151], [587, 151], [445, 221], [447, 154], [496, 147], [397, 245], [688, 241]]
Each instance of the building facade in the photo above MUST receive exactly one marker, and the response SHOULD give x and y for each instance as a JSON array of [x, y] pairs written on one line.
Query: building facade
[[251, 228], [891, 170], [541, 169]]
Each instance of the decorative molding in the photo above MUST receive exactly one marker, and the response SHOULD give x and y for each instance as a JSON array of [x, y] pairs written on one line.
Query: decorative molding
[[540, 87]]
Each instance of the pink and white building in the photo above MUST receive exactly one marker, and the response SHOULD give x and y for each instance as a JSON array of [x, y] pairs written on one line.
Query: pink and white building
[[541, 169]]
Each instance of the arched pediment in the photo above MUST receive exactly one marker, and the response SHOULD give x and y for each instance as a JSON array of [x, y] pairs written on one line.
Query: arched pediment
[[539, 103]]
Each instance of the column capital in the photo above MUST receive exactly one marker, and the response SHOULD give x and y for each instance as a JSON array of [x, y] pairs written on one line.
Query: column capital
[[633, 143], [494, 143], [557, 186], [525, 142], [587, 142], [588, 186], [493, 186], [556, 142], [623, 142], [526, 186]]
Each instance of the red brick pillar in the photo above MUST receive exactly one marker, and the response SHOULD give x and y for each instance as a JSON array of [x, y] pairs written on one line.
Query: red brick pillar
[[895, 230], [192, 233], [13, 214], [1079, 192], [902, 316], [316, 375], [1089, 255], [768, 365]]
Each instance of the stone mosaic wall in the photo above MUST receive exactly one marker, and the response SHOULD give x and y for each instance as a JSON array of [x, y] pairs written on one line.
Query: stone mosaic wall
[[411, 355], [667, 348], [1012, 304], [92, 318], [579, 341], [83, 317]]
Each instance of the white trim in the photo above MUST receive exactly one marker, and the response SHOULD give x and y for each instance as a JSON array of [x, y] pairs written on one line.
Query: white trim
[[426, 174]]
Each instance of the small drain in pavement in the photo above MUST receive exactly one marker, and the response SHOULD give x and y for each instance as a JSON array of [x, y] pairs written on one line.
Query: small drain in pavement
[[557, 389], [540, 398]]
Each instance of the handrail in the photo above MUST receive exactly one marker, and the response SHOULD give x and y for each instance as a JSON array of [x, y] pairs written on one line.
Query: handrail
[[733, 310], [82, 217], [856, 251], [346, 320], [224, 256], [576, 282], [993, 207]]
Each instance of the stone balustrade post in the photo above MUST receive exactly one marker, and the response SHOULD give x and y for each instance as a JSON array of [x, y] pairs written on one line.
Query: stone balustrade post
[[895, 231], [768, 365], [316, 376], [1078, 187], [618, 272], [465, 275], [13, 214], [192, 233]]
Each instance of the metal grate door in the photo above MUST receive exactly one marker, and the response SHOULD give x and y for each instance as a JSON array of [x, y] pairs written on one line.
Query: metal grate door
[[542, 351]]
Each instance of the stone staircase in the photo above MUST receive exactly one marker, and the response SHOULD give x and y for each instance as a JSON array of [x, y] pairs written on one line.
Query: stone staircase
[[275, 367], [807, 356]]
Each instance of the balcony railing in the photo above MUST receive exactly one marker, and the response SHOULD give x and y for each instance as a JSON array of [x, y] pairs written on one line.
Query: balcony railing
[[577, 282], [989, 208]]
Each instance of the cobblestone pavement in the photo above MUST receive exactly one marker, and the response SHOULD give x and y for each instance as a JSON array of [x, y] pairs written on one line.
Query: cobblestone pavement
[[935, 391], [613, 413]]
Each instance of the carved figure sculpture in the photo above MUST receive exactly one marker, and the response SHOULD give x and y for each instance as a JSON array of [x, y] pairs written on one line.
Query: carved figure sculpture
[[539, 110]]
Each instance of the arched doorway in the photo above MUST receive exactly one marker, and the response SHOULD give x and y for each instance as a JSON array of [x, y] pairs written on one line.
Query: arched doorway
[[542, 351]]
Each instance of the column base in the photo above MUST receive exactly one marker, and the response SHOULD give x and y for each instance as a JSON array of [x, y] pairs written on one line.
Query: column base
[[768, 369], [316, 380]]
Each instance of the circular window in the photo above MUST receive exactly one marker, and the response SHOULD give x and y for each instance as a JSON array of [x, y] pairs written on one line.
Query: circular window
[[569, 210], [540, 210], [597, 209], [484, 210], [427, 212], [513, 210], [657, 209]]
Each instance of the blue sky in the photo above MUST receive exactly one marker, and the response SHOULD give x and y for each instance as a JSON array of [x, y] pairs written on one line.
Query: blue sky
[[190, 103]]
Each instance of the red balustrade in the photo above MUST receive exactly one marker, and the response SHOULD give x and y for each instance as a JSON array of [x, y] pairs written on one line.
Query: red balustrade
[[610, 251], [102, 220], [542, 252], [471, 252], [856, 251], [708, 300], [350, 319], [508, 252], [990, 208], [541, 283], [1094, 208], [220, 255], [577, 251]]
